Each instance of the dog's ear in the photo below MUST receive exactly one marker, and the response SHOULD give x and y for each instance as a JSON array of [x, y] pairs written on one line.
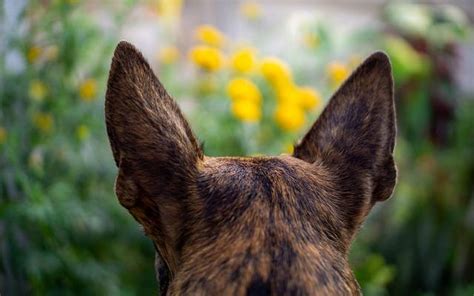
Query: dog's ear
[[147, 131], [355, 135], [153, 145]]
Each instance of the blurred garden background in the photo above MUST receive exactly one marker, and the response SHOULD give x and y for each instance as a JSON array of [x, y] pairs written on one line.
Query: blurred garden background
[[251, 76]]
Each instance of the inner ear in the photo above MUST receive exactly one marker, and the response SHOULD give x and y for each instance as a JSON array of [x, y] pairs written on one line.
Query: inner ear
[[355, 134]]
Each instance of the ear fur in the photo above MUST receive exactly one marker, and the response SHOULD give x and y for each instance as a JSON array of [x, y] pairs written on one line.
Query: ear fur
[[154, 148], [147, 131], [355, 134]]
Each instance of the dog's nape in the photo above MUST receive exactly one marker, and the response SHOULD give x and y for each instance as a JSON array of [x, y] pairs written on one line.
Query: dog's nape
[[164, 180]]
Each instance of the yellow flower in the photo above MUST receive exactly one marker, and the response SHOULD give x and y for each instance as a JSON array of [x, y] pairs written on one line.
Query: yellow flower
[[246, 99], [38, 90], [251, 10], [207, 58], [311, 40], [337, 73], [290, 117], [34, 54], [88, 90], [3, 135], [309, 98], [246, 110], [287, 92], [303, 97], [210, 35], [82, 132], [43, 121], [275, 70], [243, 60], [168, 55], [243, 89]]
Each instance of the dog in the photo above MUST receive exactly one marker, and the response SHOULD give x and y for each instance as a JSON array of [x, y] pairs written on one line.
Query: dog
[[251, 225]]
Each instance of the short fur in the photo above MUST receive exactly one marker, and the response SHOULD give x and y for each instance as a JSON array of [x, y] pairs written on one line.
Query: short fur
[[251, 225]]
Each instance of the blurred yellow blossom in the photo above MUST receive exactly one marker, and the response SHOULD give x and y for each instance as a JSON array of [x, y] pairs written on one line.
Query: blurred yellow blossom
[[43, 121], [251, 10], [82, 132], [38, 90], [88, 90], [311, 40], [246, 110], [304, 97], [3, 134], [168, 55], [289, 117], [287, 92], [337, 72], [210, 35], [34, 53], [206, 57], [243, 60], [309, 98], [169, 9], [243, 89], [51, 52], [275, 70]]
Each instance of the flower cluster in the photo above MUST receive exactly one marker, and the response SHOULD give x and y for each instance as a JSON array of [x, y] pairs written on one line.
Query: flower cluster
[[207, 58], [45, 98], [293, 100], [42, 91], [246, 99], [246, 69], [207, 55]]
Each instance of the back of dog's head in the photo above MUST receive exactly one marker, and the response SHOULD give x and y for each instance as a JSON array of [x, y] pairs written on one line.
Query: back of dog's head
[[262, 225]]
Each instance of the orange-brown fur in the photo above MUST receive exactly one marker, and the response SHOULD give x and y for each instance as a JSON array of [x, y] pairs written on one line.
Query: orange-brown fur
[[251, 225]]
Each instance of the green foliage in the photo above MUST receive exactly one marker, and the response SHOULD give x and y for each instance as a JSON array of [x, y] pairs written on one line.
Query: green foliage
[[61, 229], [425, 231]]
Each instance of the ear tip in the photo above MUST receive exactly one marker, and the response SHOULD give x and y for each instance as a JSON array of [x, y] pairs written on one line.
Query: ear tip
[[127, 52], [125, 47], [127, 59], [379, 59], [381, 56]]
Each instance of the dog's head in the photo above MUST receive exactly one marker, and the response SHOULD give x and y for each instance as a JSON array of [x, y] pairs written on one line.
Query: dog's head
[[263, 224]]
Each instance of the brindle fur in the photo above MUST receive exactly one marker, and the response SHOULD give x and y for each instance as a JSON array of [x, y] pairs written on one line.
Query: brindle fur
[[251, 225]]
